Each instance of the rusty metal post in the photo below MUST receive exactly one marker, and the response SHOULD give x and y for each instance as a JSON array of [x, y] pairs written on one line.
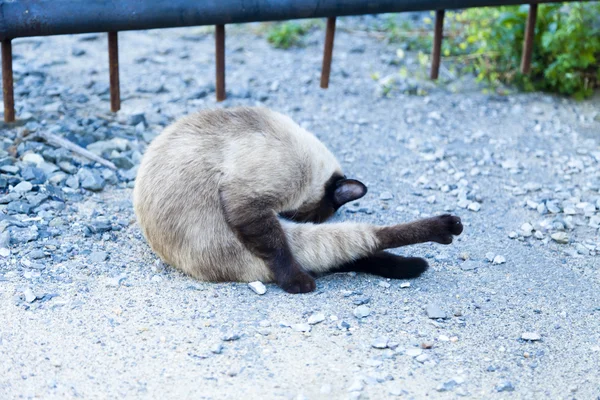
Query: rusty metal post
[[113, 70], [327, 52], [528, 40], [7, 82], [220, 62], [436, 51]]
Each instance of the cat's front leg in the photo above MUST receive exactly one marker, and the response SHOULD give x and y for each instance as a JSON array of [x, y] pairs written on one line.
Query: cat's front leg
[[440, 229], [259, 229]]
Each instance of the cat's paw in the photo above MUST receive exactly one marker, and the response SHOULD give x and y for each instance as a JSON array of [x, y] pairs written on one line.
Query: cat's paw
[[445, 227], [297, 282]]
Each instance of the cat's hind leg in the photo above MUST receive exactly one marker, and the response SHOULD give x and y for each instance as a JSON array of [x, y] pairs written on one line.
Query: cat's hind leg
[[387, 265]]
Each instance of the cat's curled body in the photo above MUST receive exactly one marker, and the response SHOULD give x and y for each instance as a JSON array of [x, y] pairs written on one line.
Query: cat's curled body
[[239, 195]]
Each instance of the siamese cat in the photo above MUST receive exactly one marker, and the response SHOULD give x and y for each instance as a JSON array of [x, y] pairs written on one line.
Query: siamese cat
[[240, 195]]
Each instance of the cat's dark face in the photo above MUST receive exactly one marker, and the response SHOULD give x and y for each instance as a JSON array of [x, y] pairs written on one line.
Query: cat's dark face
[[338, 191]]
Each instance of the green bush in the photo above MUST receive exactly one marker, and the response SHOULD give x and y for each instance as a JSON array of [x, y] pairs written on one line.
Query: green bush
[[489, 42], [566, 52]]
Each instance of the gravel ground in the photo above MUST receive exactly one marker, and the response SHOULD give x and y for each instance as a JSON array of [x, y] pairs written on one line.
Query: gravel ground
[[510, 310]]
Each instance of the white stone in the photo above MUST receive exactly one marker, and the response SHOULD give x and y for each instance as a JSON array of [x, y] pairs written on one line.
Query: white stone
[[301, 327], [422, 358], [560, 237], [29, 295], [498, 260], [532, 336], [362, 311], [23, 187], [414, 352], [257, 287], [357, 386], [316, 318], [33, 158], [474, 206], [405, 285]]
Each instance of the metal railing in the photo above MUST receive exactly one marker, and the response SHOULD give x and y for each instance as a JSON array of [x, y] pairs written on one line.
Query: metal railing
[[22, 18]]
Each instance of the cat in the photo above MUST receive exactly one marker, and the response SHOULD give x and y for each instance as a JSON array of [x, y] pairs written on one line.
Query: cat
[[240, 194]]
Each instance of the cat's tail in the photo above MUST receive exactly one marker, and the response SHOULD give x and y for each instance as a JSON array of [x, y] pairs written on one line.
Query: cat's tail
[[339, 247]]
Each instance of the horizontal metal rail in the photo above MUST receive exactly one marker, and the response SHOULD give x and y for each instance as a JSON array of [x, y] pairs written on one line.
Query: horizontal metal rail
[[19, 18]]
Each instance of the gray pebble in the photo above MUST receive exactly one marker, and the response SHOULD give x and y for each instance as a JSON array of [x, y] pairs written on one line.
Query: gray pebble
[[301, 327], [469, 265], [380, 343], [98, 256], [434, 311], [531, 336], [230, 337], [505, 386], [316, 318], [30, 297], [217, 348], [362, 311], [23, 187], [386, 196], [91, 180]]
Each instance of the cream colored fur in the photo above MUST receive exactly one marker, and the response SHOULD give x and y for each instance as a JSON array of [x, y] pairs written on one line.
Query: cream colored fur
[[254, 151]]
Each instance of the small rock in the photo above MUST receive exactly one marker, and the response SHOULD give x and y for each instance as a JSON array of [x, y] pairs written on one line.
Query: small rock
[[9, 169], [405, 285], [490, 256], [23, 187], [434, 311], [98, 256], [469, 265], [91, 180], [77, 52], [474, 207], [301, 327], [380, 343], [526, 229], [36, 254], [258, 287], [531, 336], [316, 318], [135, 119], [422, 358], [414, 352], [499, 260], [386, 196], [217, 348], [384, 284], [32, 158], [560, 237], [362, 311], [447, 386], [505, 386], [30, 297], [230, 337], [357, 386], [19, 207]]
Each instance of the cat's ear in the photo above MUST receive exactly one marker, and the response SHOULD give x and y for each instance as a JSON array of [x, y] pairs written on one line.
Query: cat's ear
[[348, 190]]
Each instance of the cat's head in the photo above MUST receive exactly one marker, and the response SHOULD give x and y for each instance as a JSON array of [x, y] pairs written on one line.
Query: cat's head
[[337, 191]]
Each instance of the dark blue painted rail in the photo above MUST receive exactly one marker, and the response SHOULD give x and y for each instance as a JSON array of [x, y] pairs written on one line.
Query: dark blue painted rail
[[20, 18]]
